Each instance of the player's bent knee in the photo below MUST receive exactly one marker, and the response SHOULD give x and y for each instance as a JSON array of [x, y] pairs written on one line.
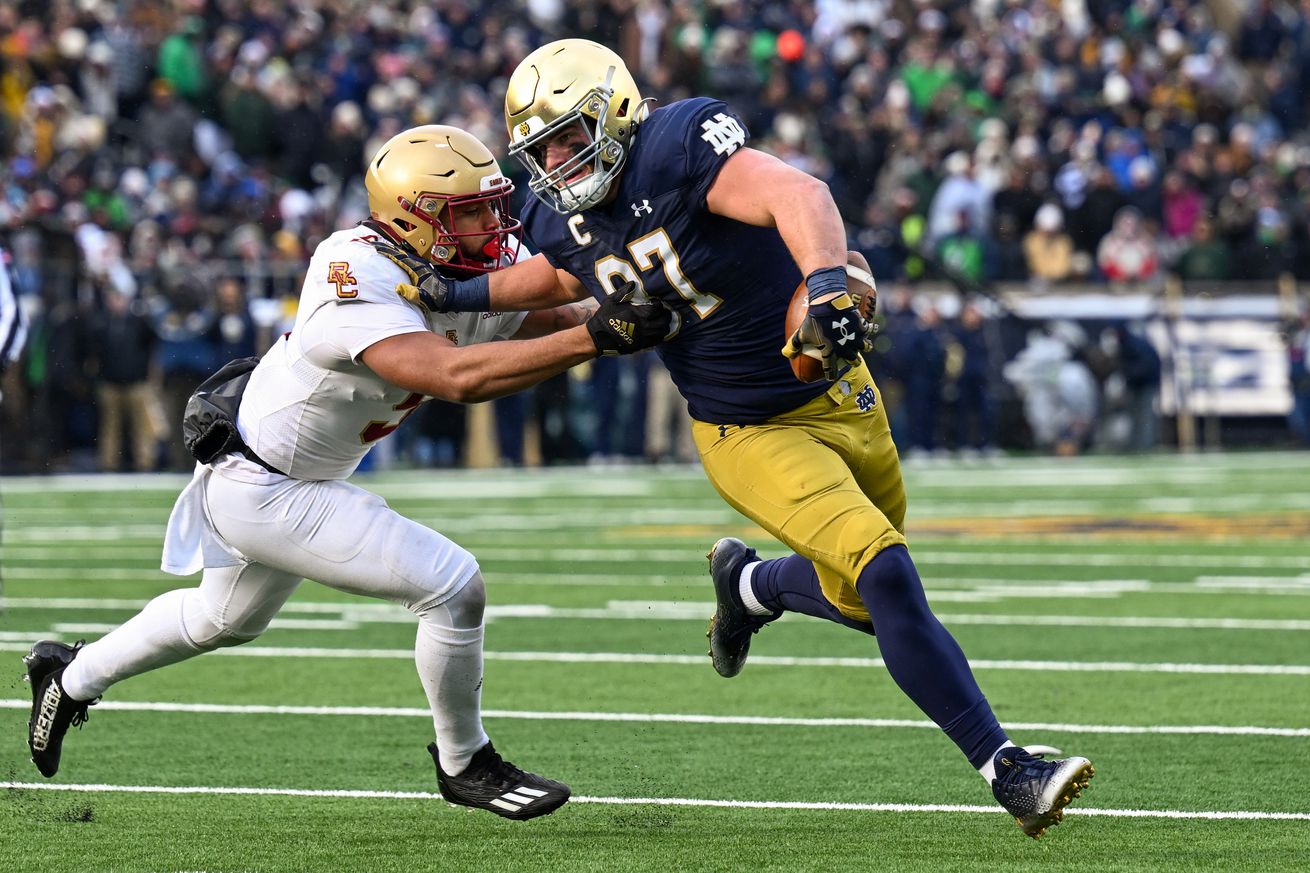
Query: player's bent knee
[[466, 607]]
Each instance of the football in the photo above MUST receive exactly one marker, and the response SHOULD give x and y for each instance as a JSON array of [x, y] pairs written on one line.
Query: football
[[808, 365]]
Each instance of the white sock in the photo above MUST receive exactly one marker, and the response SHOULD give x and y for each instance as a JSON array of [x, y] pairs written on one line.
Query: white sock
[[988, 770], [748, 598], [449, 662]]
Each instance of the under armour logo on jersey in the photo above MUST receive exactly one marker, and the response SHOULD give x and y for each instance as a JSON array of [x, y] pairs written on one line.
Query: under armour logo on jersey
[[724, 133], [866, 399], [846, 335], [645, 207], [517, 798]]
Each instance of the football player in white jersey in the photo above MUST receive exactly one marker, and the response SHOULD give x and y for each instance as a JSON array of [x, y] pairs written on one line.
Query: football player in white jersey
[[359, 359]]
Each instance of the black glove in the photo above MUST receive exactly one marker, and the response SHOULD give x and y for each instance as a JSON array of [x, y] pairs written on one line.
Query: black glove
[[426, 287], [833, 326], [623, 325]]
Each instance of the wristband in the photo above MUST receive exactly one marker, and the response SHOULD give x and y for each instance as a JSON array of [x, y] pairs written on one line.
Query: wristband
[[826, 280], [469, 295]]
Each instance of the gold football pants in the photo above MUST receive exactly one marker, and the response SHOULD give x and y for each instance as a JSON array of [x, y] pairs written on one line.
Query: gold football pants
[[823, 478]]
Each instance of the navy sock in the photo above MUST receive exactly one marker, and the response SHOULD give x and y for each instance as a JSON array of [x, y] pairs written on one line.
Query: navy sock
[[790, 583], [923, 658]]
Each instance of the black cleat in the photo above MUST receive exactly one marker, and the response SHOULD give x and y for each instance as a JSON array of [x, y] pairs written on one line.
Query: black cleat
[[1036, 791], [731, 626], [53, 711], [490, 782]]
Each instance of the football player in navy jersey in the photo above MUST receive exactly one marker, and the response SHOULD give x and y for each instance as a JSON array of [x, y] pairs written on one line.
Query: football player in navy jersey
[[671, 200]]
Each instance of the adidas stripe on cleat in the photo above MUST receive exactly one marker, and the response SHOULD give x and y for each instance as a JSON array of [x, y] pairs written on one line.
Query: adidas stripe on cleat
[[490, 782], [1036, 791], [53, 711]]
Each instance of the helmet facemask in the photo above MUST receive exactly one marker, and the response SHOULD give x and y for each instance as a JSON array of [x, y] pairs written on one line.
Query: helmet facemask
[[603, 155], [439, 211]]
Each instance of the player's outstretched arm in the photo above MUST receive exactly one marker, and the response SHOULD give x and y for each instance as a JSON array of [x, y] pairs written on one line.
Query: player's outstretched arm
[[430, 364], [548, 321], [528, 285], [434, 366], [532, 284]]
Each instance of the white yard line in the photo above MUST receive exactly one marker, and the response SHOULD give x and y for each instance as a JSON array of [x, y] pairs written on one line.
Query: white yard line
[[622, 554], [757, 660], [348, 616], [673, 718], [1210, 815]]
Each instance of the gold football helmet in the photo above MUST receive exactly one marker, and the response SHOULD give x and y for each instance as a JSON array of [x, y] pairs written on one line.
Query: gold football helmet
[[420, 175], [572, 82]]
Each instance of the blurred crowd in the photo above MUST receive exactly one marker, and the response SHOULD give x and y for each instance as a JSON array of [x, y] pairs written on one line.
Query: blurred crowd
[[170, 165]]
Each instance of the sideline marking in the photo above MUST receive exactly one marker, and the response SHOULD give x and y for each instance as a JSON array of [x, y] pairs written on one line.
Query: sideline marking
[[1212, 815], [758, 660], [672, 717], [346, 616]]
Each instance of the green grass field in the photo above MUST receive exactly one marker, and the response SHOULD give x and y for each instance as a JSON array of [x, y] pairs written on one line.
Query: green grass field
[[1152, 614]]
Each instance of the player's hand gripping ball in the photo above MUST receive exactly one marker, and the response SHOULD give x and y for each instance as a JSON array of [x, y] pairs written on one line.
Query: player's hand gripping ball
[[815, 353]]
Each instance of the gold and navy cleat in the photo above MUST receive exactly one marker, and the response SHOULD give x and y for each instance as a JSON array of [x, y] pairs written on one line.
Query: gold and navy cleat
[[731, 626], [1036, 791]]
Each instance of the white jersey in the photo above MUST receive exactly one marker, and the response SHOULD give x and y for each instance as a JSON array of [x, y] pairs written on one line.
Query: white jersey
[[312, 409]]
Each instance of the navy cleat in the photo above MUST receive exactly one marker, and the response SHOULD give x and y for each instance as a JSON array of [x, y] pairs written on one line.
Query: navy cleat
[[490, 782], [1036, 791], [731, 626], [53, 711]]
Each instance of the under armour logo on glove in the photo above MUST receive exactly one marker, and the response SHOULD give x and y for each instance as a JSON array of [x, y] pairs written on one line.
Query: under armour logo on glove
[[833, 321], [846, 335]]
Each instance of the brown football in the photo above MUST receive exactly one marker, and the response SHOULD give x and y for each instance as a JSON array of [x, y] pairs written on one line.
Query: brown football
[[808, 366]]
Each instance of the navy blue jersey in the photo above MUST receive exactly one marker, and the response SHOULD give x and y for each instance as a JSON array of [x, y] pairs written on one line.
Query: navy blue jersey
[[731, 282]]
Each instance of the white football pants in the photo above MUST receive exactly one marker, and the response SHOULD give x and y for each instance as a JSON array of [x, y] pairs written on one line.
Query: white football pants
[[334, 533]]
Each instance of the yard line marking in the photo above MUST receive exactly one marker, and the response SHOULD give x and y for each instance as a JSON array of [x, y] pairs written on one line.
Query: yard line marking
[[1211, 815], [623, 551], [759, 660], [669, 718], [350, 615]]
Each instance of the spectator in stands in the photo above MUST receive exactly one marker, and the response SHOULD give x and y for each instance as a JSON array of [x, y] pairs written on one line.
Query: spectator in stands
[[1181, 205], [1268, 254], [962, 252], [233, 332], [959, 194], [187, 355], [1047, 248], [1128, 254], [120, 348], [1207, 257], [167, 125]]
